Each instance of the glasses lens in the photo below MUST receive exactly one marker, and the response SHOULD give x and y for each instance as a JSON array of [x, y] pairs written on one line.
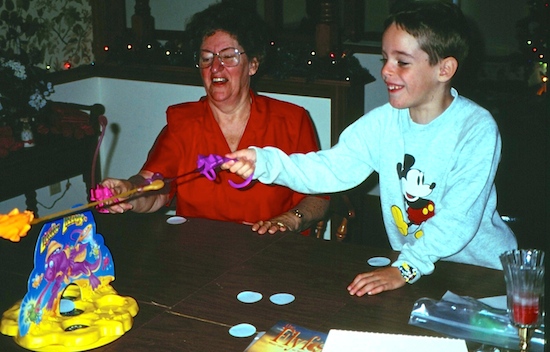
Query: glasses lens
[[205, 59], [230, 57]]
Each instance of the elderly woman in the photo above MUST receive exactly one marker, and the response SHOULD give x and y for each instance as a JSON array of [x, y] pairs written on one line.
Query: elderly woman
[[230, 44]]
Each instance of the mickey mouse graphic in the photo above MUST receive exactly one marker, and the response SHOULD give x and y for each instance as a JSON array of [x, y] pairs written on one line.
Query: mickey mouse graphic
[[419, 209]]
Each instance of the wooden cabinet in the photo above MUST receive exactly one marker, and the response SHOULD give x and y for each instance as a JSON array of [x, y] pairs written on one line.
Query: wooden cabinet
[[53, 159], [28, 169]]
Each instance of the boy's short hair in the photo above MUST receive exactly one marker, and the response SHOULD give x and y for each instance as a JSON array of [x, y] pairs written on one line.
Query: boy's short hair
[[439, 27]]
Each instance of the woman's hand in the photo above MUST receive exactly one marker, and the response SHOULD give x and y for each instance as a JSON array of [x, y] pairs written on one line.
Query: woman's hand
[[284, 222], [310, 210], [245, 164], [117, 187], [141, 203], [374, 282]]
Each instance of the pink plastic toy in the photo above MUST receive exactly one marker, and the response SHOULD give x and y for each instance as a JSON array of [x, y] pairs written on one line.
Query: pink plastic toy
[[99, 193]]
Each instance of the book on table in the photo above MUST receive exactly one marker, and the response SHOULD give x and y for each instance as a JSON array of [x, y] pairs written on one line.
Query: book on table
[[288, 337]]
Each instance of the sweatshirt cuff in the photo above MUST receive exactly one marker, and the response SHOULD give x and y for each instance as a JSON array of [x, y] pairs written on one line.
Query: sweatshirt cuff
[[267, 164], [259, 167]]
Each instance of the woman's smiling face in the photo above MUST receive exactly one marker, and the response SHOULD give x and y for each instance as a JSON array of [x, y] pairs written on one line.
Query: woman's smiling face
[[223, 84]]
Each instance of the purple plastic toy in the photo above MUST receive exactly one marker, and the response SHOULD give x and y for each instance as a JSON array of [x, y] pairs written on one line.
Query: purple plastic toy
[[209, 163]]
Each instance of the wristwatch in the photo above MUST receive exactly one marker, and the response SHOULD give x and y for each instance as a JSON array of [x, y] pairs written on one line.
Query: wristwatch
[[408, 272]]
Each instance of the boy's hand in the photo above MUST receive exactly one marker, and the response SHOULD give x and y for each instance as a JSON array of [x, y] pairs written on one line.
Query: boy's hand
[[245, 164], [376, 281]]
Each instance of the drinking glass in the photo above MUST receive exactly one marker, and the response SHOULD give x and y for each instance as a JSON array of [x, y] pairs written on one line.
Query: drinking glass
[[524, 276]]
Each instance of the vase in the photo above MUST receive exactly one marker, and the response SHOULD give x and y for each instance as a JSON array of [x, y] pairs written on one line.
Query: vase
[[27, 136]]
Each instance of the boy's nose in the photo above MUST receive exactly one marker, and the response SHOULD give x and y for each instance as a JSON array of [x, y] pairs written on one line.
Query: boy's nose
[[385, 71]]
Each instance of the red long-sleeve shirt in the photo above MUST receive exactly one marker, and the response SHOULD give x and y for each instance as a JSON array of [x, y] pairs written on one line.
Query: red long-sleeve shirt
[[192, 130]]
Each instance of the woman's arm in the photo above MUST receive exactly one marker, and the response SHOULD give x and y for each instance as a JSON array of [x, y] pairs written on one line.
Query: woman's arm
[[145, 203], [301, 217]]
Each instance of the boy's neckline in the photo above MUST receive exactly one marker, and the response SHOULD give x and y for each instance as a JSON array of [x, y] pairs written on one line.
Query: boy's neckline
[[426, 120]]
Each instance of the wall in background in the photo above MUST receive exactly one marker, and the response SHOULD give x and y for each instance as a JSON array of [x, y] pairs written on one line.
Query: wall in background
[[169, 14]]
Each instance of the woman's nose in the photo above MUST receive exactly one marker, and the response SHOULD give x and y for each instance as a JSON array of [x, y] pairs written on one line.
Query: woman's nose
[[216, 65]]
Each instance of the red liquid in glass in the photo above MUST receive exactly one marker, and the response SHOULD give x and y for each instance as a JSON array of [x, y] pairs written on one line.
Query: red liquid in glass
[[526, 312]]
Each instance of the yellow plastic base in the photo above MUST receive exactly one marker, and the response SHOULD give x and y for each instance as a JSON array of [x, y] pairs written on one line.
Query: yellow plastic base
[[102, 318]]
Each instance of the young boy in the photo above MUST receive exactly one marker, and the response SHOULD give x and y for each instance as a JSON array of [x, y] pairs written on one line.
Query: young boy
[[436, 152]]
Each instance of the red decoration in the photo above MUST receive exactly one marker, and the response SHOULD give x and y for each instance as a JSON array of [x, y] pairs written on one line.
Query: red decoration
[[68, 122], [7, 141]]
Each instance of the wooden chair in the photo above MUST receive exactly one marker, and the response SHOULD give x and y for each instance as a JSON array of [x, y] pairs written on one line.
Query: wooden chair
[[341, 212]]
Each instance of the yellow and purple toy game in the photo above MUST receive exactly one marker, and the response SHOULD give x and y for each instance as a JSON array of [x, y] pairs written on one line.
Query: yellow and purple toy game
[[70, 304]]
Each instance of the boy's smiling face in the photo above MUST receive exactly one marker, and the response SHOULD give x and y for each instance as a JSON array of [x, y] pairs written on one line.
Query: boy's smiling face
[[411, 81]]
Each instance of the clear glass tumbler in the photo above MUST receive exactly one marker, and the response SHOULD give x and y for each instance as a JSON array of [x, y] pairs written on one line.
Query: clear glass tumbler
[[524, 276]]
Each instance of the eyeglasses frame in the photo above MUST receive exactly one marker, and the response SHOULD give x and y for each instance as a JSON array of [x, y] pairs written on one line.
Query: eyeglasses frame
[[236, 51]]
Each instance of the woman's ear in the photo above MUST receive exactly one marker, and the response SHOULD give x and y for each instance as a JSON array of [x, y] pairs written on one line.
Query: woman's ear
[[253, 66], [447, 68]]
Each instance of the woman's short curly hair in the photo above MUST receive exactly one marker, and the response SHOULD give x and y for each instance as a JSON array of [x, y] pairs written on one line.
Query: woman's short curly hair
[[241, 22]]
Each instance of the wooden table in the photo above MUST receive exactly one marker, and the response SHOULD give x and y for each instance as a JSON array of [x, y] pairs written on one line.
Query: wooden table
[[186, 278]]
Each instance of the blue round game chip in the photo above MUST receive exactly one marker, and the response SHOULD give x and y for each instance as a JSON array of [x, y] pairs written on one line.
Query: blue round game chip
[[379, 261], [242, 330], [282, 298], [249, 297]]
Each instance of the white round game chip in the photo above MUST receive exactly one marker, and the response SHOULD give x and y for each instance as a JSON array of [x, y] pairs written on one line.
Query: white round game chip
[[176, 220], [242, 330], [249, 296], [282, 298], [379, 261]]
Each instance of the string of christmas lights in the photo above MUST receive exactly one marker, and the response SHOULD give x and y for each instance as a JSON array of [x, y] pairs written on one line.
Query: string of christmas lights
[[533, 32], [282, 61]]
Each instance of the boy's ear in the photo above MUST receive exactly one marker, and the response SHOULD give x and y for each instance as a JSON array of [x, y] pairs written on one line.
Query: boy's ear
[[447, 68]]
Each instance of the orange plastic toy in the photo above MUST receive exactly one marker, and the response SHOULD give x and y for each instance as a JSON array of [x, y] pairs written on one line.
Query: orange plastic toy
[[15, 225]]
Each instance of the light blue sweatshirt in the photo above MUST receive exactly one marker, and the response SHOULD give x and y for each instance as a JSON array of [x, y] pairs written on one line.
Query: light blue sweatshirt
[[437, 188]]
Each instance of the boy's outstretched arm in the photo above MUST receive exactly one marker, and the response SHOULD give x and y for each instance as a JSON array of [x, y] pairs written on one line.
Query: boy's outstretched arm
[[374, 282], [245, 164]]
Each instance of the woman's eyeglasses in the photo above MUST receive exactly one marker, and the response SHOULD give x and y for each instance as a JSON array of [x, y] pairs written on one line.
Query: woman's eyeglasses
[[229, 57]]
